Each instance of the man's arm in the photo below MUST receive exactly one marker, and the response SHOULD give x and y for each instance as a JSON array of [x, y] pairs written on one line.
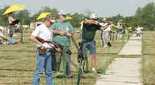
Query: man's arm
[[90, 22], [35, 40], [4, 38], [34, 35], [63, 33], [59, 32]]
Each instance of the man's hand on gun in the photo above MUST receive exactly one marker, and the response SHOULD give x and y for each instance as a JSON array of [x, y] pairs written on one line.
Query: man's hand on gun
[[68, 34], [48, 44]]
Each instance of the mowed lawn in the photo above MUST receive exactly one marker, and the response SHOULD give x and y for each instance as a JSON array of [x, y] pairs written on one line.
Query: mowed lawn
[[17, 63], [149, 58]]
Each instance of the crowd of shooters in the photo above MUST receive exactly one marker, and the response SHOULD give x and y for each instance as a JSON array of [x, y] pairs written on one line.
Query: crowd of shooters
[[54, 36]]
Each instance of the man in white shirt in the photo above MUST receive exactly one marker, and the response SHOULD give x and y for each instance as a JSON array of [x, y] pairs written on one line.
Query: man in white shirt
[[119, 30], [43, 53], [105, 34], [139, 31]]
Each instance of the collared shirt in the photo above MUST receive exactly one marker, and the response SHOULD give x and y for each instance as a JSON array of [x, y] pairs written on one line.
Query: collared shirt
[[43, 32], [62, 26]]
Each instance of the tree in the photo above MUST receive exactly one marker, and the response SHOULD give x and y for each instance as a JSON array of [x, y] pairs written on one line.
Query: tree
[[24, 17], [87, 12], [76, 19], [54, 12], [3, 19], [116, 18], [146, 16]]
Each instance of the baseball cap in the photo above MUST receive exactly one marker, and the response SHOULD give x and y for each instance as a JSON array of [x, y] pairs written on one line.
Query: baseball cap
[[61, 12], [93, 16]]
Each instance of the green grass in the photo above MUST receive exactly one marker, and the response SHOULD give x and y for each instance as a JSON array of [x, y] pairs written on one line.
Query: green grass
[[149, 58], [18, 62]]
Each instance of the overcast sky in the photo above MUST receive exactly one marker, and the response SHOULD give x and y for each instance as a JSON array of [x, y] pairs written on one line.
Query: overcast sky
[[101, 7]]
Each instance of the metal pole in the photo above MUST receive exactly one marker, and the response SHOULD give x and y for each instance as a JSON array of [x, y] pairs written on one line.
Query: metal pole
[[22, 32]]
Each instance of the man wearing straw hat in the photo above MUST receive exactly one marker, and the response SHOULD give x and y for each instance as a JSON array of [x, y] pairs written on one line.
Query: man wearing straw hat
[[12, 27], [12, 20], [43, 53]]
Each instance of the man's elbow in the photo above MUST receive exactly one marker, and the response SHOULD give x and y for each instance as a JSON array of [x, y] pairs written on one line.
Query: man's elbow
[[32, 38]]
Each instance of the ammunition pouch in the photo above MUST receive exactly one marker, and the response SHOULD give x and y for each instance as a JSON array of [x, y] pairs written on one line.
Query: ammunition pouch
[[42, 50], [69, 52]]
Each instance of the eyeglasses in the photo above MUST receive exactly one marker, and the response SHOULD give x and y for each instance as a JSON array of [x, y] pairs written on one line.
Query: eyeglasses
[[51, 21]]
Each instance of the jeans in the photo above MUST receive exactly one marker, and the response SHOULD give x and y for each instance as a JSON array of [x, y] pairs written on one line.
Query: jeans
[[66, 61], [11, 41], [43, 64]]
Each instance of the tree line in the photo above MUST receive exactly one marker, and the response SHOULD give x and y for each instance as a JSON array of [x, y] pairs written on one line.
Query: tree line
[[144, 16]]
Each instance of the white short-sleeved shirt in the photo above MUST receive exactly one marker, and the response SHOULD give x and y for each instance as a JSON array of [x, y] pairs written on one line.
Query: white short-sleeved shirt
[[108, 28], [139, 29], [43, 32], [10, 19], [1, 34]]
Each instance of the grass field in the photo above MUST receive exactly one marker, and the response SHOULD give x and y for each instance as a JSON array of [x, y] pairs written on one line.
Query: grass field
[[17, 63], [149, 58]]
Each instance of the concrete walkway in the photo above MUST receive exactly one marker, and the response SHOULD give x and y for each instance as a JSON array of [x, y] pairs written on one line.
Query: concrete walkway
[[124, 71], [132, 47]]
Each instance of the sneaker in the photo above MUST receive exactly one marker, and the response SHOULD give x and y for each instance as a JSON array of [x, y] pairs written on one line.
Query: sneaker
[[109, 44]]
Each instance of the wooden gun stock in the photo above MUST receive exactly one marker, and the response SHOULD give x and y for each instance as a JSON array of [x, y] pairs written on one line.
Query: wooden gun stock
[[40, 40]]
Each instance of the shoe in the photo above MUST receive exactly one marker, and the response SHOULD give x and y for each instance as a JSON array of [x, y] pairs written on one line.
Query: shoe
[[109, 44], [70, 76]]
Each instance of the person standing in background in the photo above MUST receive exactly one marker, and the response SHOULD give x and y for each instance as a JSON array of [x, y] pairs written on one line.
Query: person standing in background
[[12, 27], [12, 23], [90, 26], [119, 30], [105, 35], [63, 30]]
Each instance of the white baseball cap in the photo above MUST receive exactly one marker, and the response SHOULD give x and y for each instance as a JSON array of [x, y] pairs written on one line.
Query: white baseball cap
[[61, 12], [93, 16], [104, 19]]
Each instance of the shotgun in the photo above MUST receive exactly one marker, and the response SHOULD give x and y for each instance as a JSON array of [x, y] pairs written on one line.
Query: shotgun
[[56, 48]]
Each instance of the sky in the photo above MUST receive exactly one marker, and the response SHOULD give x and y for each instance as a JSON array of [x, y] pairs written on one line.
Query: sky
[[100, 7]]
